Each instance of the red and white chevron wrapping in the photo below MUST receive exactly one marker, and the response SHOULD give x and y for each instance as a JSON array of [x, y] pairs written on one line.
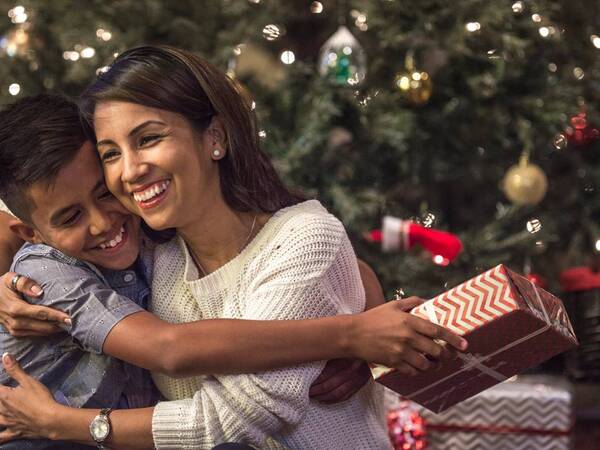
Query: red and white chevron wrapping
[[510, 324], [533, 412]]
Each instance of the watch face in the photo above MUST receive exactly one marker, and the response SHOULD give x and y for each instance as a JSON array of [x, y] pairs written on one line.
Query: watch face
[[100, 428]]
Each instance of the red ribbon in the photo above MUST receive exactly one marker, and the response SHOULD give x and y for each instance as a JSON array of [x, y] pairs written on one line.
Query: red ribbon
[[496, 429]]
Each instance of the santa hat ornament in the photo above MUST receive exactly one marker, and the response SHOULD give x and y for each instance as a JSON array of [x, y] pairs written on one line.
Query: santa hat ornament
[[401, 235]]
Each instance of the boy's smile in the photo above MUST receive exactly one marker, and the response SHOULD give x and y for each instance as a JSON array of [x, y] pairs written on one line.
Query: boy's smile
[[79, 216]]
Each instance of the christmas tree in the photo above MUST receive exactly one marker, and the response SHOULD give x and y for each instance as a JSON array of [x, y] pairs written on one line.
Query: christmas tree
[[414, 109]]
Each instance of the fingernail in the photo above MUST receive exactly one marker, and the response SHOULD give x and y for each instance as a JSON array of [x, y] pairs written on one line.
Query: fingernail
[[36, 289], [68, 321], [7, 359], [463, 344]]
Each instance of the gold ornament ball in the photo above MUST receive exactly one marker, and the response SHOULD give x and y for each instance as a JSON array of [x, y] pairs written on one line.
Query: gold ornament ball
[[525, 184], [415, 86]]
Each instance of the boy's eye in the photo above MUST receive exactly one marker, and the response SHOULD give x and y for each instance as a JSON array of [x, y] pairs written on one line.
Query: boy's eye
[[106, 195], [71, 219]]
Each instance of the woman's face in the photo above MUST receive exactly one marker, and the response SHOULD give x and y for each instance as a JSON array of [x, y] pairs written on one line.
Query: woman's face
[[156, 164]]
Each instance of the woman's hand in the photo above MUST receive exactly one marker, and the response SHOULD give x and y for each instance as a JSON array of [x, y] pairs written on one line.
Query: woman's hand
[[20, 318], [390, 335], [25, 410], [340, 380]]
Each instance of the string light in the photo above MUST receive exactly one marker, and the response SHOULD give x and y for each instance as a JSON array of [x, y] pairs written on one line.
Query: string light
[[71, 55], [428, 220], [103, 34], [316, 7], [595, 40], [288, 57], [534, 226], [17, 14], [598, 245], [517, 7], [87, 52], [440, 260], [578, 73], [14, 89], [271, 32], [473, 26], [262, 134], [536, 18]]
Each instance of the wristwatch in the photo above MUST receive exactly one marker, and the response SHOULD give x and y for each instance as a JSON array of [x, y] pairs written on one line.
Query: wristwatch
[[100, 427]]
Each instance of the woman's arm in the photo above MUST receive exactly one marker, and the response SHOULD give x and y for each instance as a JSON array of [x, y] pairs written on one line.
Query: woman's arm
[[373, 290], [30, 411]]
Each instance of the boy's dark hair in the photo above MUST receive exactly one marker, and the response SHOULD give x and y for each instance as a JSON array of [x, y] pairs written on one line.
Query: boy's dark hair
[[39, 135]]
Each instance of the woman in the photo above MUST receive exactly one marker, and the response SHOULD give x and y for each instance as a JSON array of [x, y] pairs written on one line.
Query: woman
[[179, 148]]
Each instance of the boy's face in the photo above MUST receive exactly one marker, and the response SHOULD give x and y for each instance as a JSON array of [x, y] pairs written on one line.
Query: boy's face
[[81, 218]]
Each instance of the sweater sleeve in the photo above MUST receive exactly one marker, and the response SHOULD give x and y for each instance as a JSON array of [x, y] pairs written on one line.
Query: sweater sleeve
[[307, 270]]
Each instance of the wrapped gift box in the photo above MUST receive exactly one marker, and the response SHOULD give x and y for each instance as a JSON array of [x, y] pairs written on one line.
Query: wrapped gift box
[[533, 412], [510, 324]]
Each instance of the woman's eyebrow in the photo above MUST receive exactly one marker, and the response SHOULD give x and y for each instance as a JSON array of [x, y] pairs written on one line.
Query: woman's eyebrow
[[135, 130]]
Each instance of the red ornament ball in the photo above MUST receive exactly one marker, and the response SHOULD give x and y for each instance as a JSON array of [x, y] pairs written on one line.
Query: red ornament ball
[[581, 133]]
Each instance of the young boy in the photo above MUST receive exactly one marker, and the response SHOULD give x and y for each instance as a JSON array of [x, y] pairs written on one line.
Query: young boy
[[87, 254]]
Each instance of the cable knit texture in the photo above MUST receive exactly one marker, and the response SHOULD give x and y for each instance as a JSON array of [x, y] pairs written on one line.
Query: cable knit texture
[[300, 265]]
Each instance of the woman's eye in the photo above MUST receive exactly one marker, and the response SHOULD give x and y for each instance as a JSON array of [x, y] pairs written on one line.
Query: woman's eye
[[149, 139], [108, 155]]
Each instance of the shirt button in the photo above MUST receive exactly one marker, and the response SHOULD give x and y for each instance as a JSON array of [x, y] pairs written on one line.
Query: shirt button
[[128, 278]]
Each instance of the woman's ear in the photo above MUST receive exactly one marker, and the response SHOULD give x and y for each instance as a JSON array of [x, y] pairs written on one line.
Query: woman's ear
[[217, 138]]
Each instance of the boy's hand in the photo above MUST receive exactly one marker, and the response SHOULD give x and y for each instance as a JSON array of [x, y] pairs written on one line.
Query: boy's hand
[[340, 380], [20, 318], [391, 336]]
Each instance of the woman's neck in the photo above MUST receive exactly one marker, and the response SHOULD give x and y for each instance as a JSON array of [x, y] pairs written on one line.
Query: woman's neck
[[218, 237]]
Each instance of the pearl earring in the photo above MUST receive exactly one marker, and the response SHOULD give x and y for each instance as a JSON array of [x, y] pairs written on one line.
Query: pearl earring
[[216, 152]]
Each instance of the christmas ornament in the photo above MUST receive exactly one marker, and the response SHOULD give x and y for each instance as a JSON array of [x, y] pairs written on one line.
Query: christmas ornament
[[402, 235], [342, 59], [581, 133], [413, 84], [525, 183], [406, 427]]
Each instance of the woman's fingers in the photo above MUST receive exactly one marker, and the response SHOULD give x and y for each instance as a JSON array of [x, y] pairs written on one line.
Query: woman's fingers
[[335, 373], [8, 435], [31, 327], [13, 369], [406, 304], [434, 331], [25, 285], [342, 386]]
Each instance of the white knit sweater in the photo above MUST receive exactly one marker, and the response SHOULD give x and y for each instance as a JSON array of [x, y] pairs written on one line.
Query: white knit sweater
[[300, 265]]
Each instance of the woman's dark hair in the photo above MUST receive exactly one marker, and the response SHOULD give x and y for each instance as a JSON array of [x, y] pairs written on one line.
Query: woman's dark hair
[[176, 80]]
